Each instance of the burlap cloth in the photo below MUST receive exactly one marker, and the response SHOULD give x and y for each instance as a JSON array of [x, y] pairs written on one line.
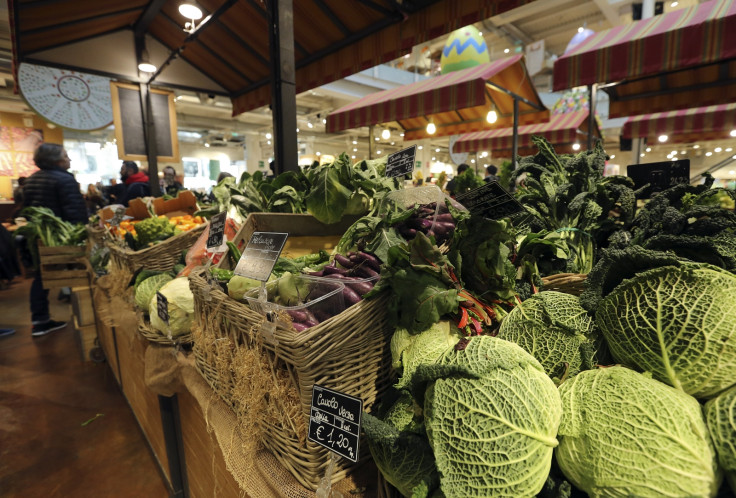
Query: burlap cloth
[[258, 475]]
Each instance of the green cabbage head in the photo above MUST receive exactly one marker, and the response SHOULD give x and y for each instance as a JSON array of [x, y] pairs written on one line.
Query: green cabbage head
[[556, 330], [626, 434], [678, 322], [425, 348], [491, 415], [181, 308], [720, 415], [148, 288]]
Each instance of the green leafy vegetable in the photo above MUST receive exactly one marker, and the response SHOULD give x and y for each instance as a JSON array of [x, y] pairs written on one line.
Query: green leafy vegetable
[[411, 350], [181, 308], [624, 434], [148, 287], [720, 416]]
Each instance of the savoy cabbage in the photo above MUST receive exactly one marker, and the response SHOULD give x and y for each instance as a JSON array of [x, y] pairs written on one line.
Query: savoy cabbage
[[625, 434], [556, 330], [491, 415], [678, 322], [720, 416]]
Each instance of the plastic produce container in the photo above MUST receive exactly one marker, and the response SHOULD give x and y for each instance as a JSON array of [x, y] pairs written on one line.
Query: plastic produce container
[[307, 300]]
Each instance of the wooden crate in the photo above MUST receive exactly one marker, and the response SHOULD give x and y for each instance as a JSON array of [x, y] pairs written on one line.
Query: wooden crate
[[143, 401], [82, 306], [63, 266], [106, 334], [206, 472], [86, 336]]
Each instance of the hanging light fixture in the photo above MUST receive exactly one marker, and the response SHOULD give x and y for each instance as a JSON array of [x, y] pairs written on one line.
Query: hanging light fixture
[[431, 128], [386, 134], [144, 65], [663, 138], [492, 116], [191, 12], [576, 146], [268, 136]]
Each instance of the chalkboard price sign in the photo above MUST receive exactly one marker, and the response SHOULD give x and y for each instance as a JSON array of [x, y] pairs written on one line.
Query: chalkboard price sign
[[260, 255], [490, 201], [334, 422], [402, 162], [217, 230], [162, 307], [660, 175]]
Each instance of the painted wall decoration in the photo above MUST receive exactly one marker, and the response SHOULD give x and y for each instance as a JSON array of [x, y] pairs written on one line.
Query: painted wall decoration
[[16, 150], [72, 100], [464, 48]]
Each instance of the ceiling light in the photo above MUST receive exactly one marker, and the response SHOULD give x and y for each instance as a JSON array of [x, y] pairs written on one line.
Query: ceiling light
[[437, 149], [420, 147], [674, 159], [642, 155], [309, 124], [319, 153], [581, 29], [147, 67], [353, 157], [355, 150], [378, 152], [269, 136], [480, 33], [718, 149], [190, 11], [324, 120], [472, 161], [708, 154], [434, 158], [733, 133], [355, 142], [613, 156], [269, 142], [729, 149], [683, 152], [401, 134], [576, 146], [392, 143], [696, 146], [663, 138], [377, 139], [648, 149], [431, 128], [297, 130], [674, 152], [492, 116], [206, 145], [673, 4], [506, 51], [732, 172], [386, 134]]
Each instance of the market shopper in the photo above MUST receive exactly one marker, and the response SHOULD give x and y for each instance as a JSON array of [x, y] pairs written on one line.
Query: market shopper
[[451, 184], [136, 182], [491, 174], [55, 188], [170, 185]]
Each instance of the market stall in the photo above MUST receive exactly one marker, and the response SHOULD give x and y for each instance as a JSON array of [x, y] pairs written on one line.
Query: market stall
[[450, 104], [563, 131], [684, 126], [678, 60]]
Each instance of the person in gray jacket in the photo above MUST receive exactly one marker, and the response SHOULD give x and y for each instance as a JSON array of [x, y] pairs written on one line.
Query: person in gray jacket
[[55, 188]]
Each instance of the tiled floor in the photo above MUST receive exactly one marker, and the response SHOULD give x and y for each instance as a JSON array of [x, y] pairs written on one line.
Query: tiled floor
[[46, 394]]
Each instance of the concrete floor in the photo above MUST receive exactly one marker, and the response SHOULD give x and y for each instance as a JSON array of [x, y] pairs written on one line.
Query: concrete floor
[[46, 393]]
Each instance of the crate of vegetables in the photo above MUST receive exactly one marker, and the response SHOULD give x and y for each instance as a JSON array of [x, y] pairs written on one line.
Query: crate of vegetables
[[154, 241], [302, 331]]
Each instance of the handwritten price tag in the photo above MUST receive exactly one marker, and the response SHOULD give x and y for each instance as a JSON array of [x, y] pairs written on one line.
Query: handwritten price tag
[[260, 255], [491, 201], [334, 422], [162, 307], [660, 175], [117, 217], [402, 162], [217, 230]]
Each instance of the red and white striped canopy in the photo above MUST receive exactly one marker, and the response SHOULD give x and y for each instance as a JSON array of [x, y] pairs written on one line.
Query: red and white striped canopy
[[561, 129], [688, 125]]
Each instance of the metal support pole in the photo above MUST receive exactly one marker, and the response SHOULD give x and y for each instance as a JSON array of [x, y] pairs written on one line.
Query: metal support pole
[[283, 85], [150, 137], [370, 141], [171, 425], [515, 149], [592, 97]]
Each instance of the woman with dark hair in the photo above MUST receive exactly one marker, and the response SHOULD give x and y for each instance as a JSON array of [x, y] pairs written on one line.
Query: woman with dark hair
[[55, 188]]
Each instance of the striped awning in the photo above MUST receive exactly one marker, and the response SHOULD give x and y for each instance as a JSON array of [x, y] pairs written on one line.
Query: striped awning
[[685, 38], [561, 130], [685, 126], [456, 102]]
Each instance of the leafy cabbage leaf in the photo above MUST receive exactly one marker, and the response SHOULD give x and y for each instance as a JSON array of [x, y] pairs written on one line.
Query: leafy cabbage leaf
[[491, 415], [720, 416], [678, 322], [556, 330], [148, 288], [626, 434], [411, 350]]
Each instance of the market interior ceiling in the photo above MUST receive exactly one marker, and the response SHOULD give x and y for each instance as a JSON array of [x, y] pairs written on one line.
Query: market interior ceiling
[[207, 113]]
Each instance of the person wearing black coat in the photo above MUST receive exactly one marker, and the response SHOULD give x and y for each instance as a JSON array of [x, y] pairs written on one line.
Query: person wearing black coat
[[55, 188]]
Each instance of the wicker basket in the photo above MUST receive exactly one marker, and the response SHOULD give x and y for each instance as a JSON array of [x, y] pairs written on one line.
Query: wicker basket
[[145, 329], [348, 353], [569, 283], [162, 256]]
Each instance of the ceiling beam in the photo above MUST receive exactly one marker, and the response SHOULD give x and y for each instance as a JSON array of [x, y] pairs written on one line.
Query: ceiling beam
[[332, 17], [608, 11], [76, 22], [532, 9], [375, 6], [144, 21]]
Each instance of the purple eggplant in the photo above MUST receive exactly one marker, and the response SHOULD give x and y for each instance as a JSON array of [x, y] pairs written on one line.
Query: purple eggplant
[[329, 270], [370, 260], [322, 315], [362, 288], [320, 273], [365, 272], [298, 315], [300, 327], [422, 224], [343, 261], [406, 232], [350, 296], [447, 217]]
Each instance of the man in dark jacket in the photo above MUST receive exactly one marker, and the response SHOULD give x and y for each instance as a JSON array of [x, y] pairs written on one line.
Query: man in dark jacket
[[55, 188], [136, 182]]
